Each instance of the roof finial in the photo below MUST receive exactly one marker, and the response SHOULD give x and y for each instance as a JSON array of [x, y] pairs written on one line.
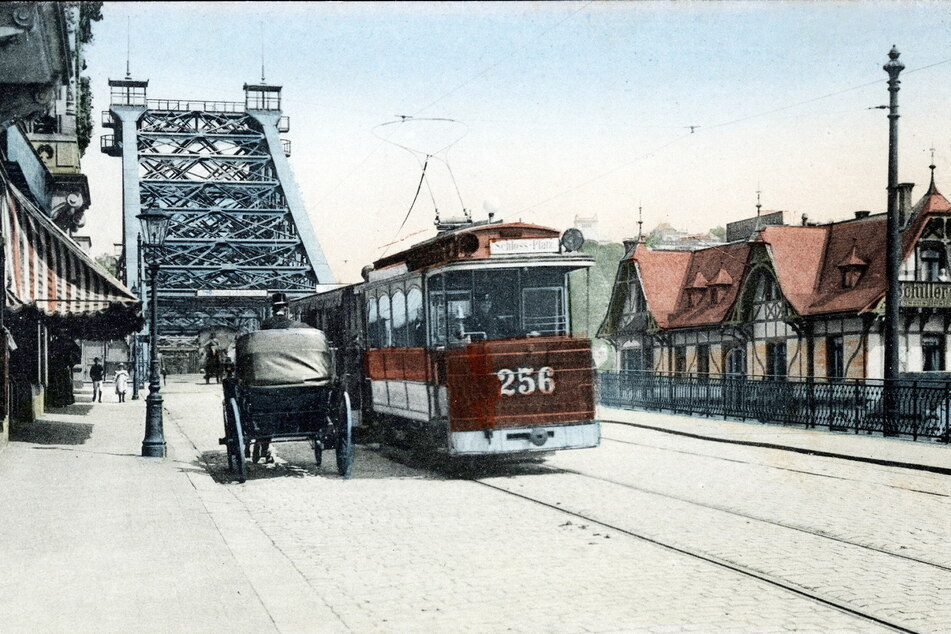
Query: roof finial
[[262, 53], [931, 189], [128, 38], [640, 223], [759, 205]]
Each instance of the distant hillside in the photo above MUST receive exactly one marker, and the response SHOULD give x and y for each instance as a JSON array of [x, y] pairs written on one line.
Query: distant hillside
[[589, 294]]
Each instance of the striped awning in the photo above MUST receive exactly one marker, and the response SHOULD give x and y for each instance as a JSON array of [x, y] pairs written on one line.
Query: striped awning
[[47, 269]]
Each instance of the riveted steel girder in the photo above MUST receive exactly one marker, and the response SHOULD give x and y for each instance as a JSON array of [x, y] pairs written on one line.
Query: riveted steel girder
[[224, 181]]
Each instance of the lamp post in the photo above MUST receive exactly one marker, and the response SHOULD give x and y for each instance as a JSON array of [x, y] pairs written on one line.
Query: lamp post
[[154, 228], [892, 248], [136, 343]]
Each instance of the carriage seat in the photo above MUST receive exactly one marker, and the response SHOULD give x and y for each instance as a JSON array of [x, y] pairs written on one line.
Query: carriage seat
[[292, 357]]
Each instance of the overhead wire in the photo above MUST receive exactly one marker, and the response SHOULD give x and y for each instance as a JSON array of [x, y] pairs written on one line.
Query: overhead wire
[[530, 209], [419, 186], [453, 91]]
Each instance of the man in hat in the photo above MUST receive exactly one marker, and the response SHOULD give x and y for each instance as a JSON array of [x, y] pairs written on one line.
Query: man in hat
[[279, 319]]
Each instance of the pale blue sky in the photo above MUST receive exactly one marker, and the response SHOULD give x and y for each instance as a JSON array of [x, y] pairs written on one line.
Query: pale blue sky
[[571, 107]]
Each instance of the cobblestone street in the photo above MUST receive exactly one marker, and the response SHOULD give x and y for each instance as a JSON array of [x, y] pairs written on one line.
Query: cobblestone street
[[398, 548]]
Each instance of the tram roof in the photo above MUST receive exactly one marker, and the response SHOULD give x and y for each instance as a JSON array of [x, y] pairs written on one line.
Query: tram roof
[[467, 243]]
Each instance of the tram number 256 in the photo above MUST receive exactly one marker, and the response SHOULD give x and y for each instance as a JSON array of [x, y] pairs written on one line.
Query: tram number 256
[[526, 381]]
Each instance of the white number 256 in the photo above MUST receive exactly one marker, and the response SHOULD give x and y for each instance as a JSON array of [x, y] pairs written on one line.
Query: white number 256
[[526, 381]]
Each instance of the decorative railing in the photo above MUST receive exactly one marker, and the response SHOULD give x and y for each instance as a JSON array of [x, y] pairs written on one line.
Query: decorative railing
[[921, 408]]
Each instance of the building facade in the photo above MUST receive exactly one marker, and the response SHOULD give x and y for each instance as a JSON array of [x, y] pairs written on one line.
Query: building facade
[[788, 302]]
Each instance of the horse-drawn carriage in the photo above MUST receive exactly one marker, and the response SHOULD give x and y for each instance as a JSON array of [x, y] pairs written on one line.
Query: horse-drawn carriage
[[283, 388]]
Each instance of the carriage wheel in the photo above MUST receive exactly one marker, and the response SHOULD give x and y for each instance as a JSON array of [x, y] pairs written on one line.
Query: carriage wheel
[[344, 448], [229, 435], [240, 461]]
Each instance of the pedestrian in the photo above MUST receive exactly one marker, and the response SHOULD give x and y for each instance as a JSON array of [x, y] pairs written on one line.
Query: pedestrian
[[122, 382], [164, 374], [96, 372]]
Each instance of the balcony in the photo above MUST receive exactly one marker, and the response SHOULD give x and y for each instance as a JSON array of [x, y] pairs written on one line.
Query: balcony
[[108, 145], [107, 119], [284, 124], [286, 144]]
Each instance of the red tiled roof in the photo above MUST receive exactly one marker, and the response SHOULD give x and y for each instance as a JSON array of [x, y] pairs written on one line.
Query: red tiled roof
[[797, 255], [808, 262], [662, 273], [723, 265]]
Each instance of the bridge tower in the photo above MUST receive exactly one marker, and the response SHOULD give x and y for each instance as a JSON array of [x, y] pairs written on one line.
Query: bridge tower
[[238, 228]]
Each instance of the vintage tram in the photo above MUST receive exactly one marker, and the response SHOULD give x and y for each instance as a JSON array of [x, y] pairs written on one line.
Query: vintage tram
[[463, 342]]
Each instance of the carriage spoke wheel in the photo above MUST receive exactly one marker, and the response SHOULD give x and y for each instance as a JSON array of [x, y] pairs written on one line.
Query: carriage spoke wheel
[[229, 435], [239, 458], [344, 448]]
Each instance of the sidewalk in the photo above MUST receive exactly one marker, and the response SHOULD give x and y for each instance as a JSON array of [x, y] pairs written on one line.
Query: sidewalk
[[94, 537], [922, 454]]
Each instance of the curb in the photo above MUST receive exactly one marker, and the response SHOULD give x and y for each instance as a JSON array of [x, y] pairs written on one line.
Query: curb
[[790, 448]]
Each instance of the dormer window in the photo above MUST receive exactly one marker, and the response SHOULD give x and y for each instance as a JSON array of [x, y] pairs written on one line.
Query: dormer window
[[852, 267], [932, 261], [719, 285], [696, 290]]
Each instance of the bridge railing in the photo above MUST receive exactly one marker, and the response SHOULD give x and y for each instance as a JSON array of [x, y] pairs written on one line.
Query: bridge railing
[[922, 407], [184, 105]]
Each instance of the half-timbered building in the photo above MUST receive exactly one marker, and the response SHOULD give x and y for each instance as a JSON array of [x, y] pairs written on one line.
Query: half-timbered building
[[788, 301]]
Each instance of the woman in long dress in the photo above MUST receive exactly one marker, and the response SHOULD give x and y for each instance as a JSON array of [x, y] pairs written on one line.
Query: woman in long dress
[[122, 382]]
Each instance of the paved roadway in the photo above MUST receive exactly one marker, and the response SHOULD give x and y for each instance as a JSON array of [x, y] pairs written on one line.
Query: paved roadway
[[649, 532]]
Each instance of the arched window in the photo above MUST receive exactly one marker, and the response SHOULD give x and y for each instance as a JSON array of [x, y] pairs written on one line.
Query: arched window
[[372, 319], [386, 321], [416, 332], [399, 319]]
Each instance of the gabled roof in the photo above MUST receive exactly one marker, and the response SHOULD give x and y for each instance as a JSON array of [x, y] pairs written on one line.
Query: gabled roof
[[662, 273], [808, 262], [724, 265]]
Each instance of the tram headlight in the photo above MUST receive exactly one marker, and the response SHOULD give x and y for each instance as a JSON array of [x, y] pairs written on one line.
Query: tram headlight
[[572, 239]]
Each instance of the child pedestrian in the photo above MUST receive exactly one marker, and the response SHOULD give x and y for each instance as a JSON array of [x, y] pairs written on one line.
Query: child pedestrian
[[122, 382], [96, 373]]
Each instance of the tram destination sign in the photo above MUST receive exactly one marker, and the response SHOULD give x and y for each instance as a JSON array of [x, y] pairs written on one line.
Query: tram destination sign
[[524, 245], [926, 294]]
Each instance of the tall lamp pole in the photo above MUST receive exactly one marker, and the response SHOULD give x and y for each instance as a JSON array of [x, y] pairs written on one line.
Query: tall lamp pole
[[154, 228], [892, 247], [136, 343]]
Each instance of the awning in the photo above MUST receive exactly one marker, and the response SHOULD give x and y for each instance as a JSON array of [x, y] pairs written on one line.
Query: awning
[[47, 270]]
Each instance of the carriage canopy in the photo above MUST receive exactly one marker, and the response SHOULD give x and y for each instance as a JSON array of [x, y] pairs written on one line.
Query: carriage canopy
[[295, 356]]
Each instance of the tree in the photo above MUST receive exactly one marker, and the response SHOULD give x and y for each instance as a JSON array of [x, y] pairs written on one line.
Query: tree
[[108, 262], [718, 232]]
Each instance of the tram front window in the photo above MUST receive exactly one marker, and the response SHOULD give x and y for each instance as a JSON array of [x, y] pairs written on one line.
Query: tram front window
[[468, 306]]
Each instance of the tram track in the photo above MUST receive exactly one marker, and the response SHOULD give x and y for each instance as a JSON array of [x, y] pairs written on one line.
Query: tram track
[[755, 518], [706, 557]]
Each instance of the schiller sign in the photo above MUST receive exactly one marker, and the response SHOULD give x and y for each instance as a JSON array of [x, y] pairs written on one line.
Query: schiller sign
[[926, 294]]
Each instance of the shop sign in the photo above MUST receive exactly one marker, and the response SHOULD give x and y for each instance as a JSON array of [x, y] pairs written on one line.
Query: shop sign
[[925, 294]]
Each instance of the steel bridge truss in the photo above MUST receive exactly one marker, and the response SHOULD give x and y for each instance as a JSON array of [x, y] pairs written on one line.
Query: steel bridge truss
[[230, 222], [238, 229]]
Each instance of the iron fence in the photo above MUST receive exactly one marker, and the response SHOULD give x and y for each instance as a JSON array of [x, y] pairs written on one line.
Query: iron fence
[[922, 408]]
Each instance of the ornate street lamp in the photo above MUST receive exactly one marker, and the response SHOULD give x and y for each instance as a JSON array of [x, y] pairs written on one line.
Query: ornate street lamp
[[154, 228], [892, 250]]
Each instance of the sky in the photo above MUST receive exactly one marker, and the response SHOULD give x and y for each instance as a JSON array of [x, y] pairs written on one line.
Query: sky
[[542, 112]]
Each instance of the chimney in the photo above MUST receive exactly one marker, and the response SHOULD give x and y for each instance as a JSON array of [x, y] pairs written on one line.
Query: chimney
[[904, 202], [862, 214]]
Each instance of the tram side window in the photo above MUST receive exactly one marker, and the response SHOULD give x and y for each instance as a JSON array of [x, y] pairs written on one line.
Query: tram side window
[[416, 335], [385, 323], [399, 319], [372, 323]]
